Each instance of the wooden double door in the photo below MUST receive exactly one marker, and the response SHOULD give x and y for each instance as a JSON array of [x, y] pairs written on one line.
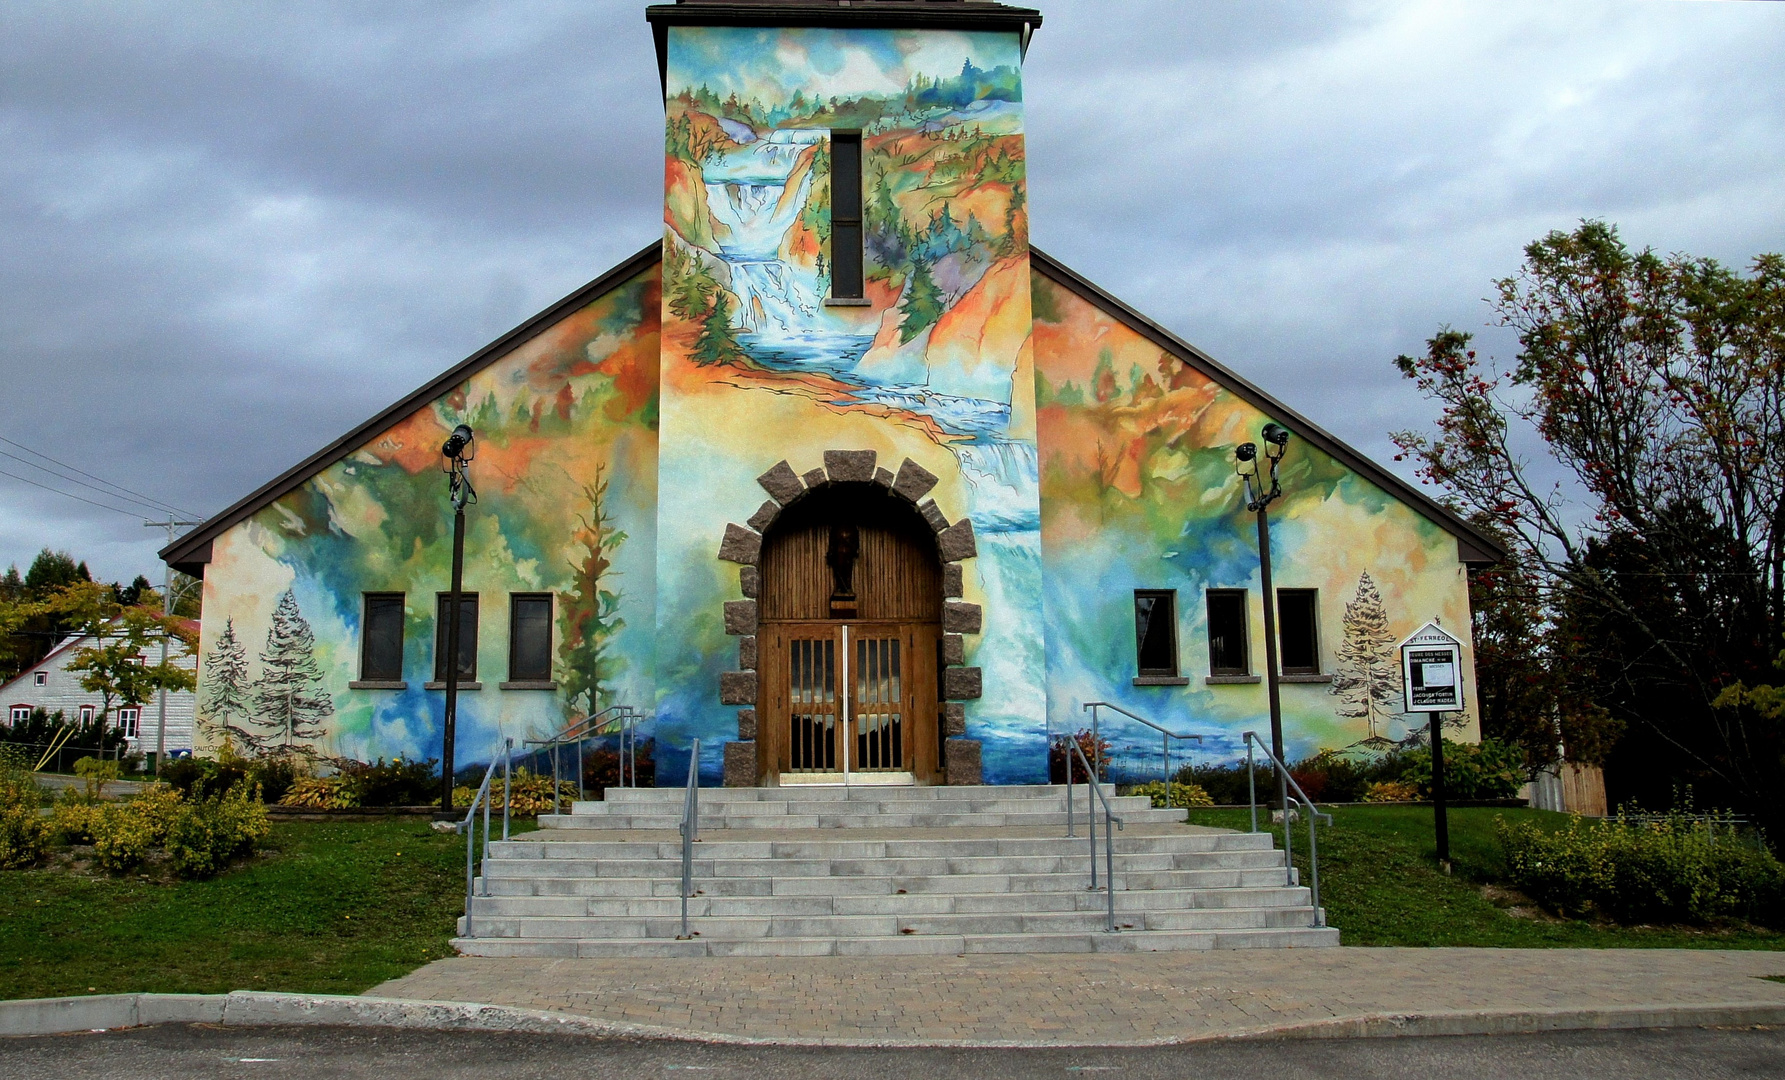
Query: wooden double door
[[843, 699]]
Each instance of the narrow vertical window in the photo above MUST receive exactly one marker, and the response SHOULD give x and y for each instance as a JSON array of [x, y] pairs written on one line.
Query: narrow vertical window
[[1298, 631], [846, 215], [1155, 632], [530, 637], [1227, 632], [88, 712], [381, 638], [467, 636], [127, 721]]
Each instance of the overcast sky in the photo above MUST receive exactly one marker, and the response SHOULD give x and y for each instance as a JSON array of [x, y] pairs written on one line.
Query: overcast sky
[[231, 231]]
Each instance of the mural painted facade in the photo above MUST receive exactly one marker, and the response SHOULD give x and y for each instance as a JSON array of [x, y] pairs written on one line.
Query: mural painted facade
[[627, 444]]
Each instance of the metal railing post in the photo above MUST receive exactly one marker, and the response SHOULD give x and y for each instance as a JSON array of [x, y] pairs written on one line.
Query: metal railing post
[[690, 825], [507, 782], [1251, 782], [1314, 815]]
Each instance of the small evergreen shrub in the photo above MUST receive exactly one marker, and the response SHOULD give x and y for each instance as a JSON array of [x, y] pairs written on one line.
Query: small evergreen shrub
[[1180, 795], [208, 833]]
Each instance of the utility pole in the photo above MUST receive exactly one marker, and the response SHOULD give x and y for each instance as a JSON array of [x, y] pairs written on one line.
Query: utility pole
[[167, 609]]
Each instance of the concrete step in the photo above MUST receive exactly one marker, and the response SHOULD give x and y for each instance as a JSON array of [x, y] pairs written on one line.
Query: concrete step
[[718, 846], [909, 944], [874, 885], [725, 906], [835, 793], [706, 869], [712, 822]]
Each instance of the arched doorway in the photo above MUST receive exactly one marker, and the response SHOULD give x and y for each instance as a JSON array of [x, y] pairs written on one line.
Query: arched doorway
[[850, 631]]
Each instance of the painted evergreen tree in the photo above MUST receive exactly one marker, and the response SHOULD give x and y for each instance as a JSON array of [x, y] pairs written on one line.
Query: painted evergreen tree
[[922, 305], [591, 611], [717, 343], [227, 689], [290, 702], [1367, 678]]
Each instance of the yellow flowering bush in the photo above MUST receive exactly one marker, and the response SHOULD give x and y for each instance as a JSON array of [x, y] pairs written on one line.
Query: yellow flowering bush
[[1180, 795], [207, 833], [1392, 791]]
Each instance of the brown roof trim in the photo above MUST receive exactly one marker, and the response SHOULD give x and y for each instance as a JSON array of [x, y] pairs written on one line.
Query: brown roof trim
[[191, 552], [874, 15], [1474, 547]]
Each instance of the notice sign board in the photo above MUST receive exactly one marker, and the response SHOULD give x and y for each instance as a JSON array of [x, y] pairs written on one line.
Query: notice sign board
[[1431, 671]]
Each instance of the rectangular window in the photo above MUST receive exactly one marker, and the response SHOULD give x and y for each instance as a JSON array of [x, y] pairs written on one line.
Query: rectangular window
[[128, 719], [846, 215], [530, 637], [21, 713], [1227, 632], [88, 712], [467, 637], [381, 638], [40, 678], [1298, 631], [1156, 632]]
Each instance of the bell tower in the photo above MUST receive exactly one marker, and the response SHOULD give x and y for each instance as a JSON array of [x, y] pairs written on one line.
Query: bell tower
[[846, 314]]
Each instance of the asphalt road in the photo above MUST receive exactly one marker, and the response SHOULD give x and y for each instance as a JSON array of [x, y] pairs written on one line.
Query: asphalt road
[[201, 1052]]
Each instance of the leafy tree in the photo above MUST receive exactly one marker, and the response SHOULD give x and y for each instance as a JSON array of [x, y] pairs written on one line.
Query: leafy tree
[[922, 305], [591, 611], [228, 690], [290, 701], [1367, 679], [1656, 387]]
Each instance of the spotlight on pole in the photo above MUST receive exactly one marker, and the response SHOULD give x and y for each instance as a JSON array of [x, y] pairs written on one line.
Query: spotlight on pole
[[459, 451]]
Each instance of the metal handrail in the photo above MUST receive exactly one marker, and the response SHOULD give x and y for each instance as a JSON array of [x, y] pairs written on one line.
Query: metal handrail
[[690, 833], [469, 825], [1109, 820], [591, 726], [1165, 737], [1314, 816]]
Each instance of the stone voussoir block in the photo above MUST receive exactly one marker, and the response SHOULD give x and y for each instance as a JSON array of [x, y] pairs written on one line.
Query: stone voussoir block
[[747, 653], [850, 466], [953, 584], [961, 763], [933, 514], [956, 542], [782, 483], [740, 545], [959, 618], [740, 617], [954, 650], [962, 683], [883, 478], [764, 516], [750, 581], [816, 478], [747, 725], [737, 688], [740, 763], [914, 481], [954, 719]]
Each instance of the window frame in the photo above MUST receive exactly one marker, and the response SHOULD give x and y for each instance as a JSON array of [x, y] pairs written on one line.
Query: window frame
[[1170, 597], [12, 713], [843, 223], [366, 674], [1284, 667], [40, 678], [1244, 671], [87, 713], [130, 718], [441, 599], [516, 679]]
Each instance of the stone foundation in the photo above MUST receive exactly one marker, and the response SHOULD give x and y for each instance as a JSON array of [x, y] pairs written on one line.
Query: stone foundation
[[740, 763], [962, 766]]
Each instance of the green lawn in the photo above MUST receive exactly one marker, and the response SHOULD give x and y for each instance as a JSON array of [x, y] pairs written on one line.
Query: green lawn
[[327, 908], [1381, 885]]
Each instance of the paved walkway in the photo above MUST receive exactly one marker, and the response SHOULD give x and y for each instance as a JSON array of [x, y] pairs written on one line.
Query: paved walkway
[[1105, 1000]]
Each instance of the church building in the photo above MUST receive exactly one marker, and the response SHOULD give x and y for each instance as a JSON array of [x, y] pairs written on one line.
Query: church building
[[839, 476]]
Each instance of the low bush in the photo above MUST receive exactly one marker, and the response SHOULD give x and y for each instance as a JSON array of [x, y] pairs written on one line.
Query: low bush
[[206, 834], [601, 766], [531, 791], [1061, 761], [1390, 791], [1676, 869], [398, 782], [123, 838], [321, 793], [1179, 795], [73, 818], [1485, 770], [23, 832]]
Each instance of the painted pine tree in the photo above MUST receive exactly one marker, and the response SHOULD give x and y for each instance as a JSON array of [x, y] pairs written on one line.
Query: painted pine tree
[[290, 702], [1367, 680], [591, 612], [227, 688]]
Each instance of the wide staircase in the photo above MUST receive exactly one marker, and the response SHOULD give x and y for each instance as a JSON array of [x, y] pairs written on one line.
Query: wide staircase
[[818, 871]]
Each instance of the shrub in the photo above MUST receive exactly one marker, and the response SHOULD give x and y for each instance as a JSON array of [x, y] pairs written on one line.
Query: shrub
[[601, 767], [1676, 869], [397, 783], [274, 775], [1060, 756], [1180, 795], [1391, 791], [124, 835], [72, 821], [1485, 770], [209, 832], [23, 832], [321, 793]]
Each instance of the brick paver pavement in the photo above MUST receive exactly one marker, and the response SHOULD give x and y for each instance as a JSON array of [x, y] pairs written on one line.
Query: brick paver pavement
[[1111, 999]]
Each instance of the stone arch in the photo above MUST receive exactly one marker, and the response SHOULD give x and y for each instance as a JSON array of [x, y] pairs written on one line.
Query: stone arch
[[955, 544]]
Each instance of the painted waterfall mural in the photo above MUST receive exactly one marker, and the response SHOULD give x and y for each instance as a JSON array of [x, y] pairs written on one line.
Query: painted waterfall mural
[[566, 476], [935, 365], [1139, 492]]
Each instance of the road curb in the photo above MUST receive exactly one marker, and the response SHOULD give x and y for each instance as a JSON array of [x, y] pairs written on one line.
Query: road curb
[[104, 1012]]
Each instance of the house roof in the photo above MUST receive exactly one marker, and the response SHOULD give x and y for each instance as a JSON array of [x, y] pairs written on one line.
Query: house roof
[[1474, 547], [69, 642], [192, 551]]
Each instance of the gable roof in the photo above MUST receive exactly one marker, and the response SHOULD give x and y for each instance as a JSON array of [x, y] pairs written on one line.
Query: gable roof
[[69, 642], [1474, 547], [192, 551]]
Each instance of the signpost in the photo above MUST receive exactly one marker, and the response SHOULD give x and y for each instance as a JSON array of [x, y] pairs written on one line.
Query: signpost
[[1432, 682]]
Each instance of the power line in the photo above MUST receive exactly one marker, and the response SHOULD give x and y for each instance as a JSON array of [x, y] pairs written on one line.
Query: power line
[[90, 487], [71, 495], [120, 487]]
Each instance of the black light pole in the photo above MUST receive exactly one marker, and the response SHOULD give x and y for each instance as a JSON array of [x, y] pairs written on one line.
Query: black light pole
[[1258, 501], [460, 449]]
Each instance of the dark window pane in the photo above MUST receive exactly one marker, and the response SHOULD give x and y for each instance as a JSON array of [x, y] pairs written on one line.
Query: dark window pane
[[467, 637], [846, 269], [530, 638], [1155, 633], [846, 175], [1227, 632], [381, 638], [1298, 631]]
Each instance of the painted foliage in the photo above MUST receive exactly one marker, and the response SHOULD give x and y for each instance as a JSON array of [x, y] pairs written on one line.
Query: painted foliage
[[566, 476], [934, 365], [1139, 492]]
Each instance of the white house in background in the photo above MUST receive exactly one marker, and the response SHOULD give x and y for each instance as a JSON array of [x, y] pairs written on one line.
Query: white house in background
[[50, 686]]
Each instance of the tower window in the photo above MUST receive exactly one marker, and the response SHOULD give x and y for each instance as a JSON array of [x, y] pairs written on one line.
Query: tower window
[[530, 637], [467, 636], [381, 638], [1156, 632], [1298, 631], [846, 215], [1227, 632]]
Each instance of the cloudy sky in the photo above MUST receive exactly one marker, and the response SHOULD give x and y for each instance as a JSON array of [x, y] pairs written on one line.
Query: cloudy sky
[[230, 231]]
